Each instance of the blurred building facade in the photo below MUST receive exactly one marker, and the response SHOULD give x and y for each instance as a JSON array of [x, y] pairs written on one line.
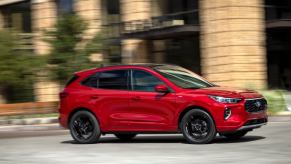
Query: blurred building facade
[[230, 42]]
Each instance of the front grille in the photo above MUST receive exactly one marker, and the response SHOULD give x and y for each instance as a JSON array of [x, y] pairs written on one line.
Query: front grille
[[255, 105], [256, 121]]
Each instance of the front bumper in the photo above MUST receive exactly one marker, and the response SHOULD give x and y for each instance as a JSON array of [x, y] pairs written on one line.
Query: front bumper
[[250, 127], [240, 119]]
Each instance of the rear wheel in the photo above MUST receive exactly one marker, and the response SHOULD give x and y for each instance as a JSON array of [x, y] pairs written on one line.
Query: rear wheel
[[84, 127], [198, 127], [235, 135], [125, 137]]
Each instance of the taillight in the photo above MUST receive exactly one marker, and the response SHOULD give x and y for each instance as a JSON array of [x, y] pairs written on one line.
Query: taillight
[[63, 94]]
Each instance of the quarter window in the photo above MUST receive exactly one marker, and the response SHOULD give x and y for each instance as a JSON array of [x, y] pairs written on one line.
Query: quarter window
[[91, 81], [144, 81]]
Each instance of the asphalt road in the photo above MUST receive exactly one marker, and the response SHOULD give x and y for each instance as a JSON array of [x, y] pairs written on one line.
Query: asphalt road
[[270, 144]]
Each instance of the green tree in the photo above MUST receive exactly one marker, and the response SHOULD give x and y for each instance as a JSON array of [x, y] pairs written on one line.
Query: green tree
[[17, 69], [67, 56]]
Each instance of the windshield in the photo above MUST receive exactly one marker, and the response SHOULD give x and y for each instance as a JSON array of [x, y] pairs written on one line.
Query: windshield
[[183, 77]]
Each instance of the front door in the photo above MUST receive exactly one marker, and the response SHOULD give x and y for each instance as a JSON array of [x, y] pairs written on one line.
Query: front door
[[150, 110]]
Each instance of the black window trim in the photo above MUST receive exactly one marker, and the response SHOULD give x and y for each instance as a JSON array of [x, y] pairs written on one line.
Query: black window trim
[[97, 74], [131, 81], [72, 79]]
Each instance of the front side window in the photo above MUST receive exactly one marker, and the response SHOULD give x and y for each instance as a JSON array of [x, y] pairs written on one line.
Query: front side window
[[183, 77], [144, 81], [116, 79]]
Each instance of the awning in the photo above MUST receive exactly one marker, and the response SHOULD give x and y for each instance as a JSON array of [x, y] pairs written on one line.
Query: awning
[[281, 23]]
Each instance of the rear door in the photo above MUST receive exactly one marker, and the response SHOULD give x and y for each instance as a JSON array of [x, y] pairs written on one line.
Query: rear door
[[110, 97]]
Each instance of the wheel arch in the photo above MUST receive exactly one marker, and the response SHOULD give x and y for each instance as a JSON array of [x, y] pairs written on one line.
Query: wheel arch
[[187, 109], [74, 111]]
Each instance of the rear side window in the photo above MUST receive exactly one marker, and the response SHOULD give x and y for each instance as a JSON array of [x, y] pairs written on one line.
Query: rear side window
[[74, 78], [116, 79]]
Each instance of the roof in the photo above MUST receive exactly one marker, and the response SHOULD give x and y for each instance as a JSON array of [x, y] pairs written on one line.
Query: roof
[[150, 65]]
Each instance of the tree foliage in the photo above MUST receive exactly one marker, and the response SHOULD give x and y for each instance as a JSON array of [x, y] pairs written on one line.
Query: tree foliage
[[17, 69], [65, 57]]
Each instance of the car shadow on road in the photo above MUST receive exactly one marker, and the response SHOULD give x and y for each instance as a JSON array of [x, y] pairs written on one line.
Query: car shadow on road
[[223, 140], [167, 139]]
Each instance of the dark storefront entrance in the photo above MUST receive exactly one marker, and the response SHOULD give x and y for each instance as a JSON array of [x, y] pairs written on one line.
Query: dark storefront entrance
[[278, 24], [183, 51]]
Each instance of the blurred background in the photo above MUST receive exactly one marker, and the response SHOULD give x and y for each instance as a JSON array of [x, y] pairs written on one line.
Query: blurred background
[[236, 43]]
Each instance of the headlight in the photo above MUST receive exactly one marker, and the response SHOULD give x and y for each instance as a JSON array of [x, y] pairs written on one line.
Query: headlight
[[225, 99]]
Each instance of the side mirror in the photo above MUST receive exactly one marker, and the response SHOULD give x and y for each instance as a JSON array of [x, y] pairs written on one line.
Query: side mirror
[[161, 88]]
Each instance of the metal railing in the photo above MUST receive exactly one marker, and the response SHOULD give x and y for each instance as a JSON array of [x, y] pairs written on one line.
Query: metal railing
[[190, 17]]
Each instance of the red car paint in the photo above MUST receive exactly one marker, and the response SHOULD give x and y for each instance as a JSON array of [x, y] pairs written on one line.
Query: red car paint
[[138, 111]]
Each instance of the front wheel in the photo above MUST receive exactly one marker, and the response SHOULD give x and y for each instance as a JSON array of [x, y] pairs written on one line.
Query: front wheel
[[235, 135], [125, 137], [84, 127], [198, 127]]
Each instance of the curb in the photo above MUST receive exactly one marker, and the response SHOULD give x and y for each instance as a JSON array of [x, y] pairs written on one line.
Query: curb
[[281, 118], [278, 114], [29, 121], [42, 127]]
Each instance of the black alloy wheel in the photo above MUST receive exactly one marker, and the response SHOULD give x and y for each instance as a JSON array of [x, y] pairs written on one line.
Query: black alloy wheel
[[198, 127], [84, 127]]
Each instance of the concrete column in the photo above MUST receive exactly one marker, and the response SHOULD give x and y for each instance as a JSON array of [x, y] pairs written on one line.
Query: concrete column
[[135, 50], [44, 16], [233, 42], [90, 11]]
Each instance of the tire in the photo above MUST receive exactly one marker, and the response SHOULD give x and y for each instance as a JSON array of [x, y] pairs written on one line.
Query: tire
[[125, 137], [198, 127], [235, 135], [84, 128]]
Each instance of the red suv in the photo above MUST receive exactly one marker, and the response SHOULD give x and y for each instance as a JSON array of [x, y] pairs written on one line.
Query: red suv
[[156, 98]]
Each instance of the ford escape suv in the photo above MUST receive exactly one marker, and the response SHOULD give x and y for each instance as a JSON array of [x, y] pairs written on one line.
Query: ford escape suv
[[126, 100]]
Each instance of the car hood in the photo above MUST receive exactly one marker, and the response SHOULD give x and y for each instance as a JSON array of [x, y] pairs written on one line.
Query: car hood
[[226, 92]]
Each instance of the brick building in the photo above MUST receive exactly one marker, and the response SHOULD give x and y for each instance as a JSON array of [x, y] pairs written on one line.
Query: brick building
[[230, 42]]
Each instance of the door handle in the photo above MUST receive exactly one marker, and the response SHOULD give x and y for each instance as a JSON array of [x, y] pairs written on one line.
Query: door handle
[[94, 97], [136, 98]]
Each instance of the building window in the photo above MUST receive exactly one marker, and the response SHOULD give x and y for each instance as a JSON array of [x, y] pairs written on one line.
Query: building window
[[113, 7], [65, 6], [276, 10], [17, 17], [111, 23]]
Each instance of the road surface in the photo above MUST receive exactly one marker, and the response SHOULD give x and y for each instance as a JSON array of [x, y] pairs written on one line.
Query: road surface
[[270, 144]]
